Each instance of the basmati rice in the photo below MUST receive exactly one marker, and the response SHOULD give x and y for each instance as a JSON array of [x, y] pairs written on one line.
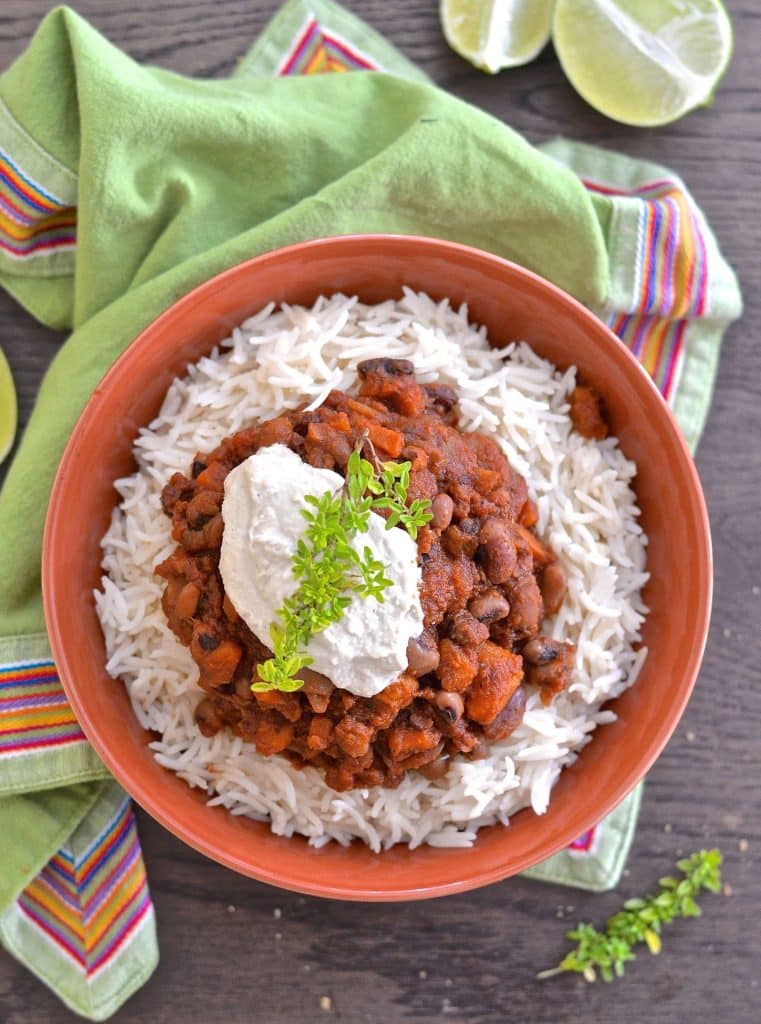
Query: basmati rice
[[282, 358]]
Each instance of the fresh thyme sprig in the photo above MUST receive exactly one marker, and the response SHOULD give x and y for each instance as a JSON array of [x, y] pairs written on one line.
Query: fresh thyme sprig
[[329, 569], [641, 920]]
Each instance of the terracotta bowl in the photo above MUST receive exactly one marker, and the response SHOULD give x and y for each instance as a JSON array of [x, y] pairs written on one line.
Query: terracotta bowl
[[513, 304]]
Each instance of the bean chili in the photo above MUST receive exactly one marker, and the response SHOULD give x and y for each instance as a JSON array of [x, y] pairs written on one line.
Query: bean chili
[[487, 583]]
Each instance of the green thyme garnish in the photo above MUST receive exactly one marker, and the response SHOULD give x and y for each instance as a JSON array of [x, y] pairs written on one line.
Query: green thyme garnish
[[641, 920], [329, 569]]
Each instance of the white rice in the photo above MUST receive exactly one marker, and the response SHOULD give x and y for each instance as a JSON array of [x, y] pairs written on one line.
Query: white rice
[[587, 511]]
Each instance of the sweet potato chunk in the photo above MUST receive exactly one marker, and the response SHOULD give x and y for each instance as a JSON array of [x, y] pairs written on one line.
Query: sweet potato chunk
[[587, 413], [499, 675], [320, 733], [389, 702], [404, 740], [353, 736], [273, 734], [457, 666], [216, 664]]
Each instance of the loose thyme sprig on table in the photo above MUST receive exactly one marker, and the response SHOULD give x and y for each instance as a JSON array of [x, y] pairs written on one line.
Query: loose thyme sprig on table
[[329, 569], [641, 920]]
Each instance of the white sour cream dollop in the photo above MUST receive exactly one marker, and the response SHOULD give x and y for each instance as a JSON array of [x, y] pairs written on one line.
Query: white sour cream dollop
[[365, 650]]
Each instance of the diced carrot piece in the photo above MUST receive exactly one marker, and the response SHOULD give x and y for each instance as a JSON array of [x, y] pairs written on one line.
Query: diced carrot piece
[[272, 736], [539, 552], [288, 704], [339, 421], [386, 440], [528, 514], [217, 666]]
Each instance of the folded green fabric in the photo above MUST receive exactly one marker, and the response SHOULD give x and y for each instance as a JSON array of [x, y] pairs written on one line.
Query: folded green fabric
[[178, 179], [122, 187]]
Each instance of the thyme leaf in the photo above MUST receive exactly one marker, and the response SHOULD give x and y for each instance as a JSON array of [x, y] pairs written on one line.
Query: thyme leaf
[[328, 567], [641, 920]]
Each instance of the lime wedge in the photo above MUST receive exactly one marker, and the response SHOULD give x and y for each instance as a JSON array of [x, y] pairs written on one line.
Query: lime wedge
[[496, 34], [8, 407], [643, 62]]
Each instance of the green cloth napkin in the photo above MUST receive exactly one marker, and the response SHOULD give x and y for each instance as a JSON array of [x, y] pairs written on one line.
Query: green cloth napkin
[[140, 184]]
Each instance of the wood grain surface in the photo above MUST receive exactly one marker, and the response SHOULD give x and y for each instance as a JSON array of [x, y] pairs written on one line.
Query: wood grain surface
[[234, 951]]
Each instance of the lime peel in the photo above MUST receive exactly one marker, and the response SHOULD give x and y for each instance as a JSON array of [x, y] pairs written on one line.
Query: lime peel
[[497, 34], [643, 62], [8, 408]]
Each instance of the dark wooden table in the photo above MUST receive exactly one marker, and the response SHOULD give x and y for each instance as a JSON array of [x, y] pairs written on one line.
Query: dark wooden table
[[234, 951]]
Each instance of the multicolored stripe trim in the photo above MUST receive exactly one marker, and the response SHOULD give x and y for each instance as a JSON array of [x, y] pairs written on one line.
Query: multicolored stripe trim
[[656, 342], [92, 905], [34, 712], [316, 50], [33, 220], [671, 282], [586, 842]]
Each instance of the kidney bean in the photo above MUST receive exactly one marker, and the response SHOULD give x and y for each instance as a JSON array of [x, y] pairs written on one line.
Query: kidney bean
[[490, 606], [435, 769], [542, 650], [466, 630], [492, 530], [422, 655], [526, 606], [242, 687], [317, 689], [500, 555], [212, 532], [187, 601], [386, 367], [442, 508], [553, 586], [461, 539], [450, 704], [207, 718], [509, 718], [202, 507]]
